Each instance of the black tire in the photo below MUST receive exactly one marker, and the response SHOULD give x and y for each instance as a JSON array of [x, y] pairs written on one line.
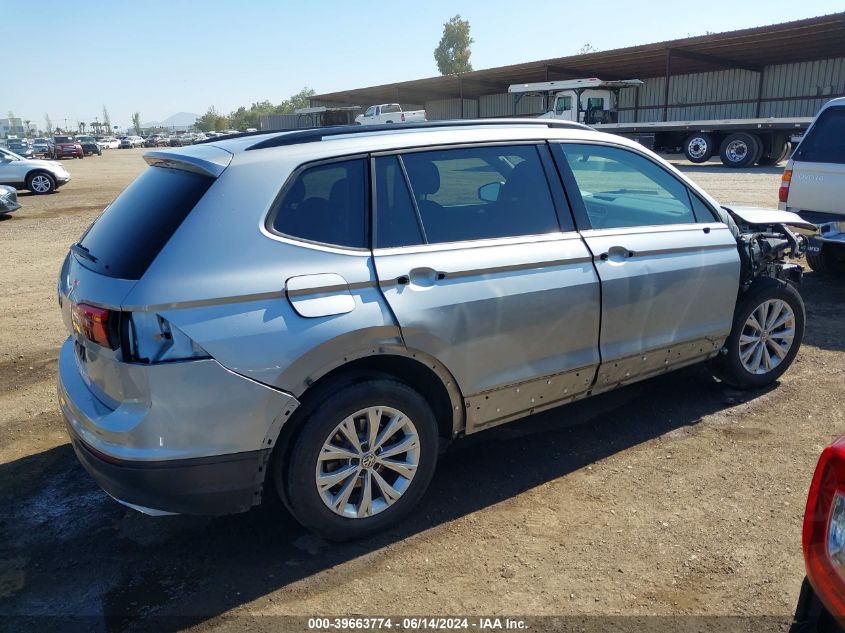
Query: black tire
[[294, 477], [699, 148], [728, 365], [828, 261], [738, 150], [758, 149], [81, 156], [777, 151], [40, 183]]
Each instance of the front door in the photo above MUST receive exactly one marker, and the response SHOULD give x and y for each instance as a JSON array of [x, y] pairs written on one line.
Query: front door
[[669, 271], [476, 256]]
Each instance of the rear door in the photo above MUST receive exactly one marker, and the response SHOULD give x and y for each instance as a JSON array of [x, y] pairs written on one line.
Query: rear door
[[477, 257], [818, 170], [669, 271]]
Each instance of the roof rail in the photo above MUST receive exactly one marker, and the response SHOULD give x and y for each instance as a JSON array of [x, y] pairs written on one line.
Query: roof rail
[[312, 135]]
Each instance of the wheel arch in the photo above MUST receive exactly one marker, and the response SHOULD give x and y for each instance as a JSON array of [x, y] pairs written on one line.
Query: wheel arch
[[415, 368]]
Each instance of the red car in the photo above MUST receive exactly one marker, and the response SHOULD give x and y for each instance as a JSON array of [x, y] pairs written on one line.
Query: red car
[[821, 606], [64, 146]]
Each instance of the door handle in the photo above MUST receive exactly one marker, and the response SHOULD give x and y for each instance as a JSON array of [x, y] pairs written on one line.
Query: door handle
[[616, 254], [423, 277]]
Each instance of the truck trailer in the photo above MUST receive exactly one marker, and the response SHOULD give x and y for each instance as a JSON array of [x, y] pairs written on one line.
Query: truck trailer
[[737, 142]]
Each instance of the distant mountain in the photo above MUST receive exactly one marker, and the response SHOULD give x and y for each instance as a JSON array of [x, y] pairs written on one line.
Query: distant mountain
[[180, 119]]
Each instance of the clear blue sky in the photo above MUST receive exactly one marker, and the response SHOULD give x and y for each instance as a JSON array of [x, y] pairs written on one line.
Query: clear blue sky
[[161, 57]]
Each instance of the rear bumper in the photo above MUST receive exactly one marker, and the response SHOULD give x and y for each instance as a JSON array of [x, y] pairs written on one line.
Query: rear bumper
[[225, 484], [188, 437]]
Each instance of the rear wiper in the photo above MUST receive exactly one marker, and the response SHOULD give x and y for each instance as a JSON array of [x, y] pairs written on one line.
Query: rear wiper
[[80, 250]]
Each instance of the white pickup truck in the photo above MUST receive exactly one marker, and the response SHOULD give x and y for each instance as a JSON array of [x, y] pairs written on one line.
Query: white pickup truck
[[389, 113]]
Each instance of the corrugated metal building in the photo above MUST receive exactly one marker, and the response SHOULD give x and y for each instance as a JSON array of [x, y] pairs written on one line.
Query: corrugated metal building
[[782, 70]]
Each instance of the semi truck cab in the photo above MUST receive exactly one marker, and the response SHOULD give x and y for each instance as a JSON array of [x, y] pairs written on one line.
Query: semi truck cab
[[591, 101]]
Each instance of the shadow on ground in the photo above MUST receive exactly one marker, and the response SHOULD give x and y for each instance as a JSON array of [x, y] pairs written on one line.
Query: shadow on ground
[[73, 559], [824, 298]]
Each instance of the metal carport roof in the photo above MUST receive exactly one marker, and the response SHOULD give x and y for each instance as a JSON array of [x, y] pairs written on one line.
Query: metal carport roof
[[752, 49]]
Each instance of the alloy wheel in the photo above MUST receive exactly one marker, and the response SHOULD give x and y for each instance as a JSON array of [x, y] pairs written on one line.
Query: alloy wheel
[[41, 184], [767, 336], [367, 462]]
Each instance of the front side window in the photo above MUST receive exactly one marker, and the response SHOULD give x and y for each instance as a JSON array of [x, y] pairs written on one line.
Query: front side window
[[623, 189], [370, 111], [326, 203], [825, 142], [563, 104], [481, 193]]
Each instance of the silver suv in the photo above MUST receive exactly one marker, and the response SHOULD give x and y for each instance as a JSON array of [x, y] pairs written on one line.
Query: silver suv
[[317, 312], [813, 185]]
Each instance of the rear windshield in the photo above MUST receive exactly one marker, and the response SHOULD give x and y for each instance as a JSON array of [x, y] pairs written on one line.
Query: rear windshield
[[825, 142], [136, 226]]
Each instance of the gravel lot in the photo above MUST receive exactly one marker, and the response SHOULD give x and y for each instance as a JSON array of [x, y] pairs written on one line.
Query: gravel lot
[[675, 496]]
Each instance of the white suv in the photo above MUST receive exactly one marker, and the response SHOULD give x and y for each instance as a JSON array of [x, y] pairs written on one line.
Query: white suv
[[813, 185]]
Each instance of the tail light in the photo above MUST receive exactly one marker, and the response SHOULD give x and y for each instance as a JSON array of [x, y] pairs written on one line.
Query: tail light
[[403, 117], [824, 529], [783, 192], [98, 325]]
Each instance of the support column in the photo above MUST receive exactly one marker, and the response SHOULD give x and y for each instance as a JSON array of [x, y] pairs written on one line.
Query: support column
[[760, 93], [666, 88]]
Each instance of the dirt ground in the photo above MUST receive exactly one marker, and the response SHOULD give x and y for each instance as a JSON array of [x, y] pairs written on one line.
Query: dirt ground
[[674, 496]]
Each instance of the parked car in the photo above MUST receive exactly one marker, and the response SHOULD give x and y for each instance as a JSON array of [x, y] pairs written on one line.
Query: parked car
[[39, 176], [128, 142], [43, 147], [8, 199], [813, 186], [21, 147], [89, 145], [821, 604], [156, 140], [67, 146], [109, 142], [389, 113], [514, 266], [180, 140]]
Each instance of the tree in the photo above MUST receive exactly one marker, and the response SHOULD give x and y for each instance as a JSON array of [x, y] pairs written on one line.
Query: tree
[[244, 118], [82, 126], [136, 122], [587, 48], [48, 124], [212, 121], [26, 129], [106, 119], [452, 53], [301, 99]]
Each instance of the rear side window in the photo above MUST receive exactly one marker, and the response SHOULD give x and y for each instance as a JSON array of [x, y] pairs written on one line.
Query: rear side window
[[125, 239], [825, 142], [481, 193], [326, 203]]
